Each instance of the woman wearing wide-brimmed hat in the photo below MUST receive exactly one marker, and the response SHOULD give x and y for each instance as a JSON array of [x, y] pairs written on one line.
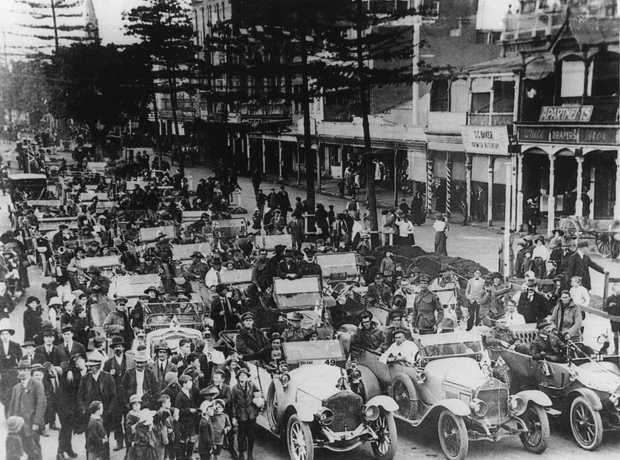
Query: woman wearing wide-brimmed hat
[[10, 354]]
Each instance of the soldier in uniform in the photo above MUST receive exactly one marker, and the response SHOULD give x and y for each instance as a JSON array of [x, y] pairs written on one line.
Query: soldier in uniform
[[379, 294], [424, 308], [294, 332], [250, 339]]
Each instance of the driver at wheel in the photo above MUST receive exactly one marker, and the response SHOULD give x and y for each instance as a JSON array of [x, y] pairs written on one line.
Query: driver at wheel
[[250, 339], [547, 344], [401, 351]]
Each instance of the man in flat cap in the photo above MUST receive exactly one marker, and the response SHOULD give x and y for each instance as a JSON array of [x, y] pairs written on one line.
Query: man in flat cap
[[250, 339]]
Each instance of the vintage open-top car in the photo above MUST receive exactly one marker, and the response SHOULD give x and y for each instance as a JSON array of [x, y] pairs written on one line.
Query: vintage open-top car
[[310, 404], [451, 387], [586, 389]]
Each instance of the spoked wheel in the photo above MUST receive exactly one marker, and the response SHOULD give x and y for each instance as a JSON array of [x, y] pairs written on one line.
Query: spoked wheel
[[299, 439], [405, 395], [604, 243], [586, 424], [536, 421], [453, 435], [386, 444]]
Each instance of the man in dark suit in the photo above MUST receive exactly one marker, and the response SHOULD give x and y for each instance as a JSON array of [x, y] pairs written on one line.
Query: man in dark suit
[[141, 381], [250, 339], [117, 366], [47, 353], [579, 264], [10, 355], [97, 386], [69, 347], [288, 269], [223, 313], [28, 401], [533, 305], [283, 202], [162, 365], [188, 416]]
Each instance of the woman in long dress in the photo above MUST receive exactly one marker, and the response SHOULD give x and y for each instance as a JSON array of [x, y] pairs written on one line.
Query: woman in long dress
[[441, 227], [417, 209]]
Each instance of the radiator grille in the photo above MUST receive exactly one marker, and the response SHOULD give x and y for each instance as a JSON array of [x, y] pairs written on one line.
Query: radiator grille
[[348, 410], [497, 403]]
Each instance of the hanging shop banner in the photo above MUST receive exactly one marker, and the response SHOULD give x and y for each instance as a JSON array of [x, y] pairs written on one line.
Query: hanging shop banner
[[490, 140], [568, 135]]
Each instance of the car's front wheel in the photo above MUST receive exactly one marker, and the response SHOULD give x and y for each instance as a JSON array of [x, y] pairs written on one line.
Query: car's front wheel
[[386, 444], [453, 435], [299, 439], [536, 421], [586, 424], [406, 396]]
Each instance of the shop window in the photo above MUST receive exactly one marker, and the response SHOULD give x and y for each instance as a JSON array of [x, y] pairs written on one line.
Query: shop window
[[503, 96], [439, 96], [480, 102], [605, 74]]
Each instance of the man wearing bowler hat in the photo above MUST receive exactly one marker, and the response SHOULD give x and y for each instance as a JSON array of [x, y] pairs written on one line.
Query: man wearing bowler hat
[[532, 304], [47, 352], [223, 313], [117, 366], [28, 402]]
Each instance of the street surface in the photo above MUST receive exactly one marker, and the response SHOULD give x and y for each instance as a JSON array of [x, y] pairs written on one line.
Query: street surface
[[475, 243]]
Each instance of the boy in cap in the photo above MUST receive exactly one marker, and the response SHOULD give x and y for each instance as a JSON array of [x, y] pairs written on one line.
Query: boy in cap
[[245, 411], [205, 445], [221, 427], [188, 417]]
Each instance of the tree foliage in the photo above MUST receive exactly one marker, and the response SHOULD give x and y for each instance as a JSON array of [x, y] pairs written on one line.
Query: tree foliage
[[24, 89], [99, 86]]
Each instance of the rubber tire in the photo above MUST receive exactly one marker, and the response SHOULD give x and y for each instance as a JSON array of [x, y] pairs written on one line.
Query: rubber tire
[[461, 433], [598, 423], [295, 423], [543, 419], [275, 396], [389, 424], [411, 395]]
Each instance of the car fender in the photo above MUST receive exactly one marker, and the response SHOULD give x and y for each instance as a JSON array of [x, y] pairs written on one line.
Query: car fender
[[386, 402], [535, 396], [457, 407], [590, 396], [371, 382], [304, 413]]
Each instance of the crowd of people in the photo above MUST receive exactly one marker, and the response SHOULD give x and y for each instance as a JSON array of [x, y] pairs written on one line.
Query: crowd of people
[[168, 402]]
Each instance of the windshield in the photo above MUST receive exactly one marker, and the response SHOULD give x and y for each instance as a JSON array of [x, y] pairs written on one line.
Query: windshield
[[173, 307], [315, 352], [303, 293], [450, 344], [338, 265]]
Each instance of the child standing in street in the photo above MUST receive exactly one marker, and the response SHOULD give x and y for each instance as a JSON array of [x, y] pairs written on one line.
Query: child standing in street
[[14, 448], [97, 445], [221, 427], [205, 431]]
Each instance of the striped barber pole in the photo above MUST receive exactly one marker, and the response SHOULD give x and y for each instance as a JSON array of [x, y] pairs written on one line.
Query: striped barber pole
[[430, 173], [448, 188]]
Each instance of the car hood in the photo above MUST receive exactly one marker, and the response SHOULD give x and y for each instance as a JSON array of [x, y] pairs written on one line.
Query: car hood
[[318, 381], [599, 376], [463, 372]]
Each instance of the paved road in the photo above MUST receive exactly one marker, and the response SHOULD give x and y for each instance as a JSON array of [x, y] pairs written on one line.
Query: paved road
[[469, 242]]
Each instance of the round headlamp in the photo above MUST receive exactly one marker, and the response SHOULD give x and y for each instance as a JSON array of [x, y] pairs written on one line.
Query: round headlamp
[[325, 416], [479, 407], [371, 413], [517, 404]]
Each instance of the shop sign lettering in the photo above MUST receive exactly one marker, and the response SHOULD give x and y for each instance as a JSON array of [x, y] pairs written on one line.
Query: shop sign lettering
[[576, 113], [485, 139], [566, 135]]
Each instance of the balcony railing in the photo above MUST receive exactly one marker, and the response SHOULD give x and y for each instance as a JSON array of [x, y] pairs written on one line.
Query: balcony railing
[[524, 26], [277, 109], [182, 104], [491, 119]]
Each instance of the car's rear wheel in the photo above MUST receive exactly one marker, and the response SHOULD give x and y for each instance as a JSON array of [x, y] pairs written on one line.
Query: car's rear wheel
[[386, 444], [299, 439], [452, 435], [536, 439], [586, 424], [406, 396]]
